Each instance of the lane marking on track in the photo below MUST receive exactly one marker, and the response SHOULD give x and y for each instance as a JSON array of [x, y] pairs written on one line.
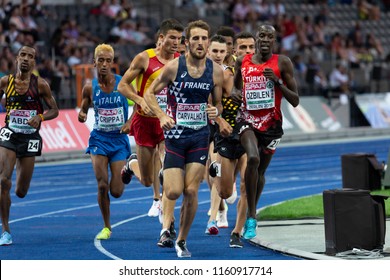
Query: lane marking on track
[[102, 250]]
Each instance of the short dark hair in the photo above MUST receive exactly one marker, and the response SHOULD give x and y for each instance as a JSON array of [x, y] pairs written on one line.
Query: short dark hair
[[170, 24], [226, 31], [218, 38], [244, 35]]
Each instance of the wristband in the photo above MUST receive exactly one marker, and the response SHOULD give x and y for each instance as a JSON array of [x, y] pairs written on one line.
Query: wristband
[[41, 116], [216, 109]]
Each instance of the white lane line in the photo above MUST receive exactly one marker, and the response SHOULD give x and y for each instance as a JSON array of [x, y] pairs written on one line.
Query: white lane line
[[102, 250], [75, 208]]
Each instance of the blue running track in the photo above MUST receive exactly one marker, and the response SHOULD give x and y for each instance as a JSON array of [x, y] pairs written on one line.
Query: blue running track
[[59, 218]]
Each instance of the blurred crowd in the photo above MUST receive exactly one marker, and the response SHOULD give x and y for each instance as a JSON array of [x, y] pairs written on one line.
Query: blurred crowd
[[305, 37]]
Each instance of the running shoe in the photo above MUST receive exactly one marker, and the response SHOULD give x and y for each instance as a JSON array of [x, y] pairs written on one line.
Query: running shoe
[[212, 228], [222, 219], [165, 240], [155, 208], [161, 176], [235, 241], [181, 249], [5, 239], [126, 171], [213, 169], [104, 234], [172, 230], [250, 228], [233, 197]]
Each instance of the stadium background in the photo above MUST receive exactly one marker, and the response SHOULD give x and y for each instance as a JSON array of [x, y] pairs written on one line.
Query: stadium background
[[66, 33]]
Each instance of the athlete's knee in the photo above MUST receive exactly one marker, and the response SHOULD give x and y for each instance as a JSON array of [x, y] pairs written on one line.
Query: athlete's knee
[[5, 184], [103, 188], [225, 193], [253, 161], [172, 194], [191, 194], [116, 193], [147, 182]]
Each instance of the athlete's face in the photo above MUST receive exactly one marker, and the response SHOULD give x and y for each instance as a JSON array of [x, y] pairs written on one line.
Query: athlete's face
[[266, 37], [198, 43], [229, 45], [103, 62], [170, 41], [26, 59], [217, 52], [245, 46]]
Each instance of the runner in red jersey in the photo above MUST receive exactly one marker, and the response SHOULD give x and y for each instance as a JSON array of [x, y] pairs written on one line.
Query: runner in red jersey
[[262, 79], [148, 135]]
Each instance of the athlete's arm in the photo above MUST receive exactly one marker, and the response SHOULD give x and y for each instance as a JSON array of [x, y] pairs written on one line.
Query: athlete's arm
[[237, 82], [3, 83], [290, 91], [85, 101], [48, 99], [228, 81], [137, 66], [216, 93], [166, 76]]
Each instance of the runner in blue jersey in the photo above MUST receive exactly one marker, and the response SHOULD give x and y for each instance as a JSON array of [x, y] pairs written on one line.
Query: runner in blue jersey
[[191, 79], [109, 144]]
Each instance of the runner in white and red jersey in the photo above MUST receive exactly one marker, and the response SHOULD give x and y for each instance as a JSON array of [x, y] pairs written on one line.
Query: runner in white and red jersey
[[262, 79]]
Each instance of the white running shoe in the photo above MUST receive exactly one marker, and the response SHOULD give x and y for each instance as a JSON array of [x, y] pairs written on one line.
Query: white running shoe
[[155, 208], [181, 249], [222, 219], [233, 197]]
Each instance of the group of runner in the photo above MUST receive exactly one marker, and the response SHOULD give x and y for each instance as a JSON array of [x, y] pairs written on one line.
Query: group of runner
[[216, 104]]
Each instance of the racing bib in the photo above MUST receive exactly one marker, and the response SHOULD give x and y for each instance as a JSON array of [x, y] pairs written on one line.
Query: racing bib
[[110, 119], [18, 121], [162, 99], [193, 116], [259, 95], [5, 134]]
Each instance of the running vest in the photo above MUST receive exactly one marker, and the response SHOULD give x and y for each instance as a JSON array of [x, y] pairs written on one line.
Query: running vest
[[144, 80], [187, 101], [111, 109], [261, 98], [229, 108], [21, 107]]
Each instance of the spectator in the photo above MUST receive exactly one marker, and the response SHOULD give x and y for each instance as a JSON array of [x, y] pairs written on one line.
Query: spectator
[[315, 78], [3, 37], [16, 19], [75, 57], [300, 68], [277, 9], [113, 9], [368, 10], [289, 35], [11, 33], [339, 80], [29, 24], [352, 55], [261, 9], [242, 14], [374, 46], [4, 67]]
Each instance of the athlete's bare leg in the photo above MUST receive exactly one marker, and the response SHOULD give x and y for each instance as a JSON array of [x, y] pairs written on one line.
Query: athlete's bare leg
[[242, 204], [8, 159]]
